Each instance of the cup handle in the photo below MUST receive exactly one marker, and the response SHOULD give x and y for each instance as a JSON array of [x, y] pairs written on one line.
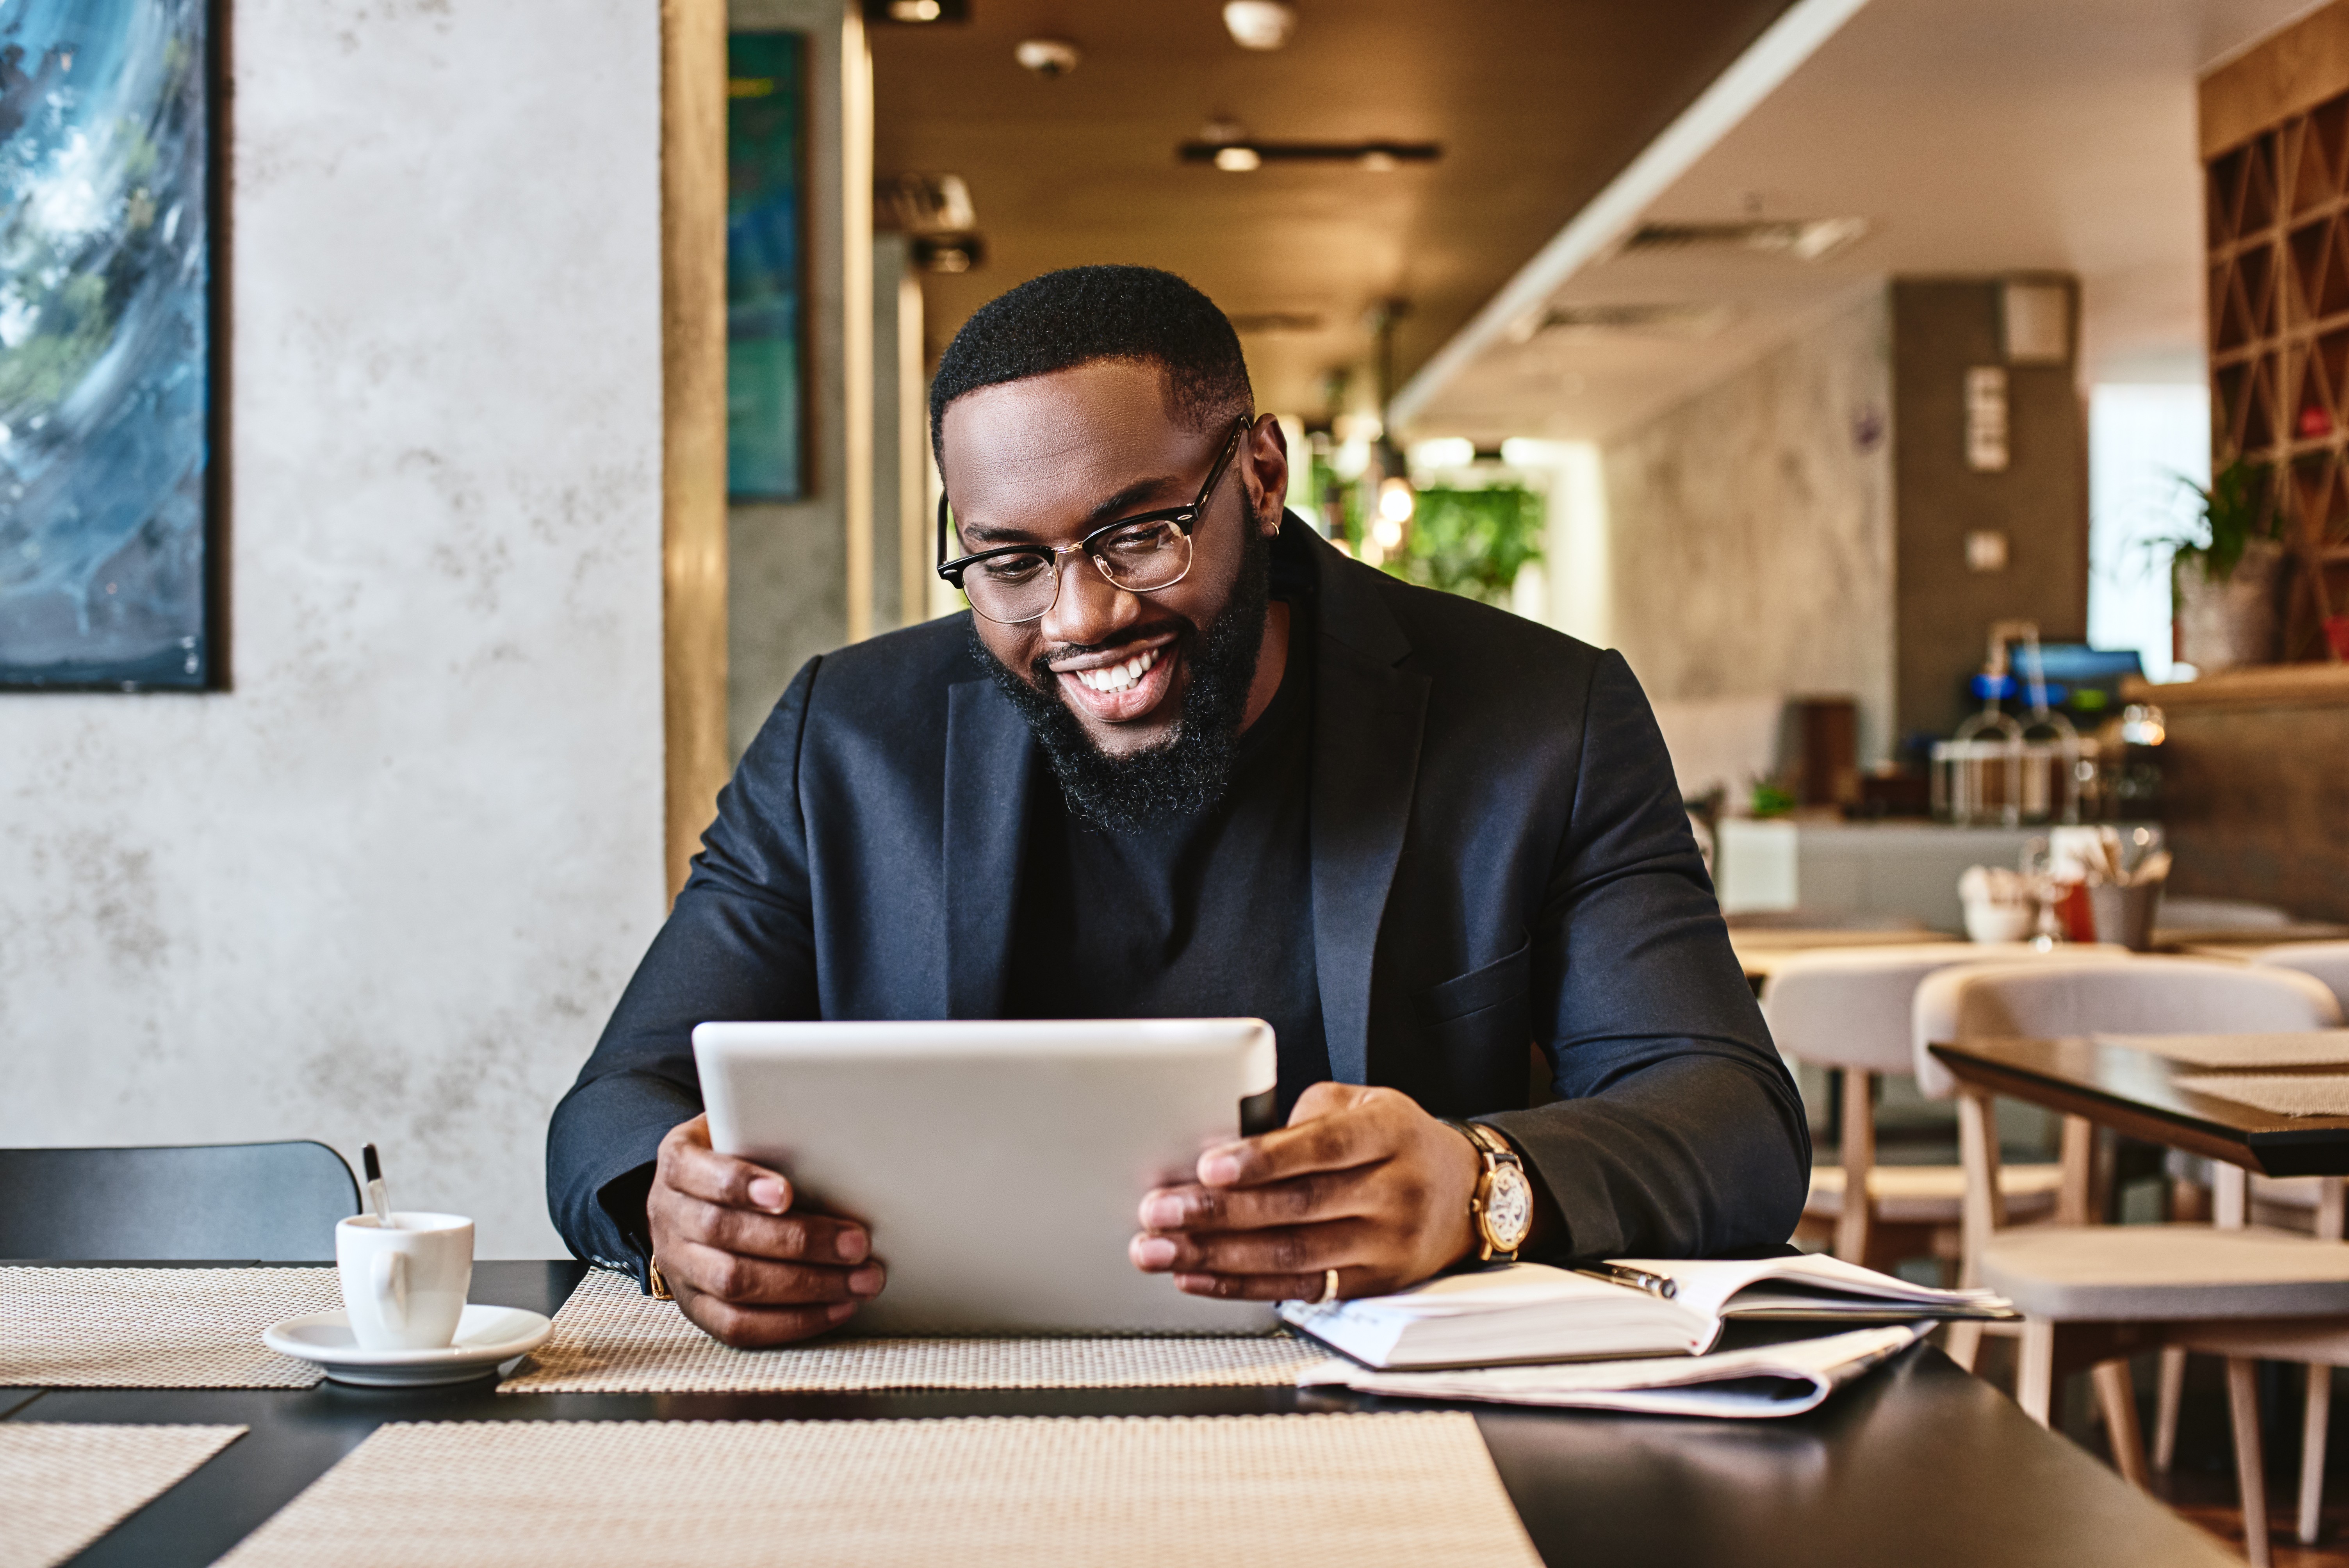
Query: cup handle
[[391, 1274]]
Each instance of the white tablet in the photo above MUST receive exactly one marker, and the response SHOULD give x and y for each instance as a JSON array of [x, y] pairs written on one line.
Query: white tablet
[[998, 1165]]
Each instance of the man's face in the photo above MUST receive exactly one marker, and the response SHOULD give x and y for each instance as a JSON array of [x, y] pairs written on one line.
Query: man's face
[[1049, 459]]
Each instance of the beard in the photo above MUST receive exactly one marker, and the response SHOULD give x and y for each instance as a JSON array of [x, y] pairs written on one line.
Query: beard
[[1178, 777]]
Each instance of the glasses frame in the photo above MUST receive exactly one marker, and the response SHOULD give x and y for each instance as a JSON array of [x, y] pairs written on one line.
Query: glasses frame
[[1185, 518]]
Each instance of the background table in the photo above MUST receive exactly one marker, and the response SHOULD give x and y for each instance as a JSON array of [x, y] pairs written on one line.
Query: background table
[[1921, 1464], [2135, 1092]]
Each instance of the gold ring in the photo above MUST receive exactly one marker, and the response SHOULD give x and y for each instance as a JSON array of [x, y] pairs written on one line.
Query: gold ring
[[1328, 1288]]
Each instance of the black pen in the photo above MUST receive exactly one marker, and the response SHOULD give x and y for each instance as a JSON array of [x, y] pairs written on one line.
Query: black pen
[[1661, 1286]]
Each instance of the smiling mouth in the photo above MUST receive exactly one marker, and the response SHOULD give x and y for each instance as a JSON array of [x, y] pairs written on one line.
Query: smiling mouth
[[1113, 678], [1110, 689]]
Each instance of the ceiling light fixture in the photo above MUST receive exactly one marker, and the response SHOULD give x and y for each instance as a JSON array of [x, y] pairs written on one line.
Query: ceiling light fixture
[[1259, 24], [923, 204], [1047, 57], [948, 254], [1238, 160], [1371, 155]]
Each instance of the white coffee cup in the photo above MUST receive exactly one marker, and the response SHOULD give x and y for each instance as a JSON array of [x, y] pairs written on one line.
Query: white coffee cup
[[405, 1286]]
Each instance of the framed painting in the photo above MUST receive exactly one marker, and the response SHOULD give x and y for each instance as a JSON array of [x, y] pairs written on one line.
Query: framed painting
[[766, 295], [108, 331]]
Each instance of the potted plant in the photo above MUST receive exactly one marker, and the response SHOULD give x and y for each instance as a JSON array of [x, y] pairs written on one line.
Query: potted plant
[[2225, 577]]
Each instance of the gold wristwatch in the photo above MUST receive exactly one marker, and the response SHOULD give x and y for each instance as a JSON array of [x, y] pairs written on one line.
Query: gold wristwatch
[[1502, 1210]]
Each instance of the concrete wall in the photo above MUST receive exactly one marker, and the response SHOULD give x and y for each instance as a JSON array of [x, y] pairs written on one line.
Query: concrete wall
[[1750, 546], [389, 887], [2040, 503]]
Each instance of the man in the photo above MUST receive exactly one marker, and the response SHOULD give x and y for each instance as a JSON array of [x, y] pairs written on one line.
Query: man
[[1184, 759]]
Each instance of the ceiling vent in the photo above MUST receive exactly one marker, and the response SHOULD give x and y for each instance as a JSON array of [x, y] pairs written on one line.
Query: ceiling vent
[[1806, 240], [1644, 320]]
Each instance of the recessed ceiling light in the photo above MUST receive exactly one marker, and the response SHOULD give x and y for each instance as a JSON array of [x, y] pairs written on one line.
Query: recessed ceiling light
[[1372, 155], [913, 10], [1237, 160], [1259, 24]]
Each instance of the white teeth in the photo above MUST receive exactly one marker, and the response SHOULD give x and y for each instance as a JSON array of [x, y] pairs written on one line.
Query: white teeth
[[1118, 677]]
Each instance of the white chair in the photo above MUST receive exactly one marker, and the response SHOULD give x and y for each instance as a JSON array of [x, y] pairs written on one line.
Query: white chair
[[2327, 961], [1848, 1009], [2094, 1295]]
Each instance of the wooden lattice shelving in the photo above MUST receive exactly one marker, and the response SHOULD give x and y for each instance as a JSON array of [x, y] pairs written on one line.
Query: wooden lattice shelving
[[2278, 209]]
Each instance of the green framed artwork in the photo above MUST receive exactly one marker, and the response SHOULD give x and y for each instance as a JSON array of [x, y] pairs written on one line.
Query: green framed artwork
[[766, 293]]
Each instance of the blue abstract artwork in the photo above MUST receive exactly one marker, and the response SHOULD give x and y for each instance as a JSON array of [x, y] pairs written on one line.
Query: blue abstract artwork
[[765, 150], [106, 343]]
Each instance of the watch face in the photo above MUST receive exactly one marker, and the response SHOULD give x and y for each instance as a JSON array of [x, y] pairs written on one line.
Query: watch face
[[1508, 1209]]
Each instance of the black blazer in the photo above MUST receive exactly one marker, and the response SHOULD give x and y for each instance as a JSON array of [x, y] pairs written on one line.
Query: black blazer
[[1499, 855]]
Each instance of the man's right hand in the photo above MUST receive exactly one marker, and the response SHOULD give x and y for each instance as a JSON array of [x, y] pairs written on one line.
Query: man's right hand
[[743, 1263]]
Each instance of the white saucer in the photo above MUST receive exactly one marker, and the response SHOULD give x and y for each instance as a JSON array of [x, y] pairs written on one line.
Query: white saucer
[[486, 1337]]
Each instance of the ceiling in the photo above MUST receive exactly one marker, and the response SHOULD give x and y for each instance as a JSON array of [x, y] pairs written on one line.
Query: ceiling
[[1974, 137], [1536, 103]]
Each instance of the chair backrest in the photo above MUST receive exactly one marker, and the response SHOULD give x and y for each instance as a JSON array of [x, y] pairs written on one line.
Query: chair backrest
[[1850, 1007], [2146, 997], [2328, 960], [267, 1202]]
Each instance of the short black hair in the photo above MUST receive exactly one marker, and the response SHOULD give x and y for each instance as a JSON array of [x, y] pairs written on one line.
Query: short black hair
[[1079, 315]]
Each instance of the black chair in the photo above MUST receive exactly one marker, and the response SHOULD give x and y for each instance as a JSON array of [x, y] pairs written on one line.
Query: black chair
[[246, 1203]]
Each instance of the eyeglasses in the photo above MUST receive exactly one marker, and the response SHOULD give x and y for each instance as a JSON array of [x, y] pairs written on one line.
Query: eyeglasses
[[1141, 554]]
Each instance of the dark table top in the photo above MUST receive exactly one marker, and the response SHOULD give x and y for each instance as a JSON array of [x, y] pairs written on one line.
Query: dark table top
[[2136, 1093], [1920, 1464]]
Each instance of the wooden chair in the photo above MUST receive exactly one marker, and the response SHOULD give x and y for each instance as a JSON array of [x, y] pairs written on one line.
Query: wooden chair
[[264, 1202], [1850, 1008], [2095, 1295]]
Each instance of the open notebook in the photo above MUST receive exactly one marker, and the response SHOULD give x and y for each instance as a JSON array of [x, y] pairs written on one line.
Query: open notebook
[[1531, 1312], [1769, 1380]]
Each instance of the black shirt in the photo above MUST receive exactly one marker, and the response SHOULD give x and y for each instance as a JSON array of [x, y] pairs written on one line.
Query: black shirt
[[1207, 916]]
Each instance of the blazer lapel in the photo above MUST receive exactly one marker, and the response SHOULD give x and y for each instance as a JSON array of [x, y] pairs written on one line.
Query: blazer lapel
[[990, 755], [1368, 717]]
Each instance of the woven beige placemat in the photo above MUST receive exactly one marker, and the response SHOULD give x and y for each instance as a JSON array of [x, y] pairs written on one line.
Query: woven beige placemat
[[610, 1338], [62, 1487], [1400, 1491], [155, 1328], [2293, 1049], [2284, 1094]]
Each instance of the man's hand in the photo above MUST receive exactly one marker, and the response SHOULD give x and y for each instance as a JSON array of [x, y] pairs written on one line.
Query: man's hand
[[743, 1263], [1361, 1180]]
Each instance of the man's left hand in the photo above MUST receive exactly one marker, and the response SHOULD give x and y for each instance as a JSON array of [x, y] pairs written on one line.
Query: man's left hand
[[1361, 1180]]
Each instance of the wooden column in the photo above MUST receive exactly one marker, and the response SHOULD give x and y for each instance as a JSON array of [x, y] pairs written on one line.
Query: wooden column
[[693, 420]]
